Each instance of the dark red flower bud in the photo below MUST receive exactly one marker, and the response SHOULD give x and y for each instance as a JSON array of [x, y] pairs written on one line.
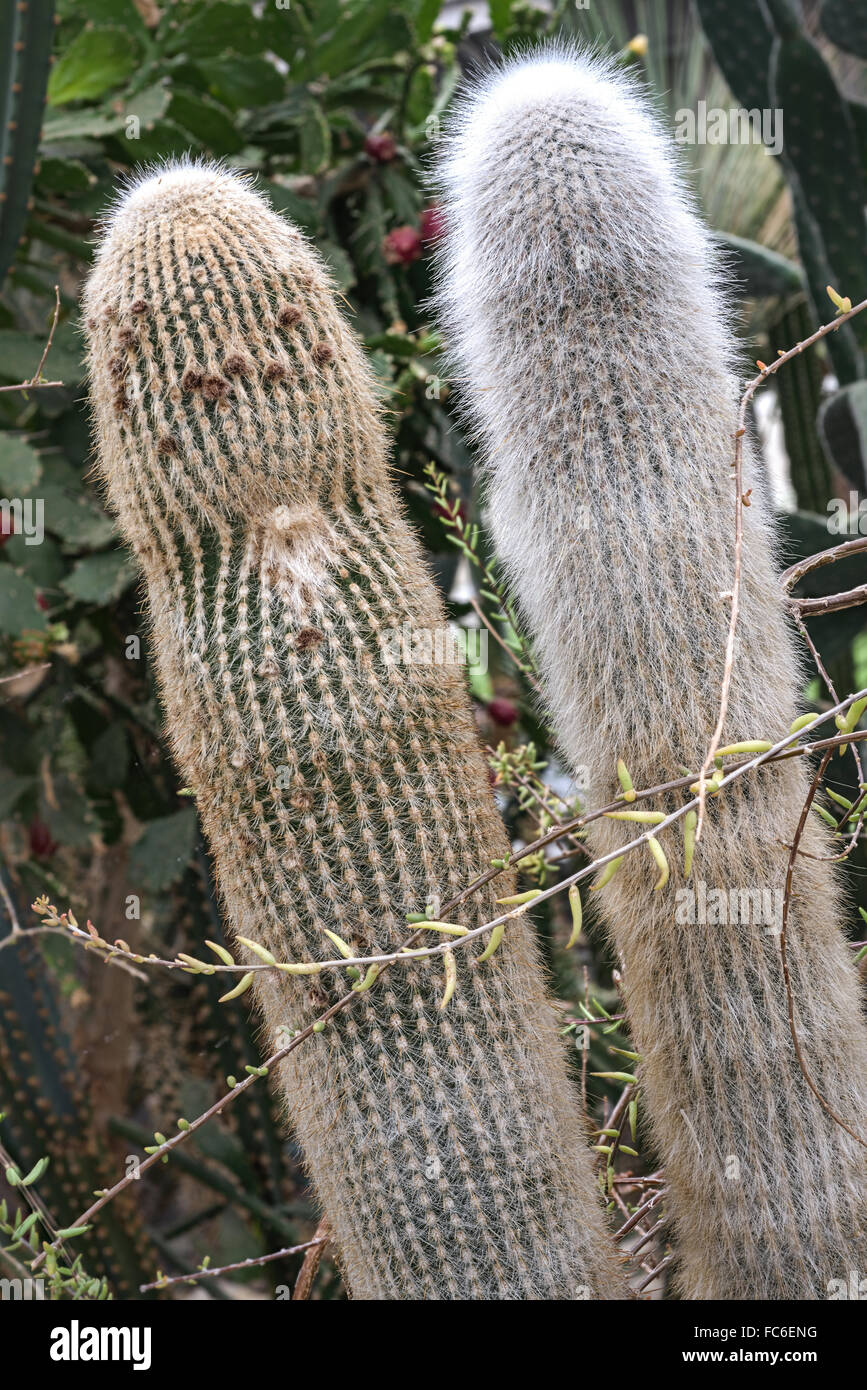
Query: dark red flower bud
[[382, 147], [503, 711], [41, 844], [402, 246]]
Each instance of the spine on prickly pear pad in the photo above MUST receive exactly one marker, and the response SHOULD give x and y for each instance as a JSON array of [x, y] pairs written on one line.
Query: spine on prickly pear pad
[[341, 786], [584, 307]]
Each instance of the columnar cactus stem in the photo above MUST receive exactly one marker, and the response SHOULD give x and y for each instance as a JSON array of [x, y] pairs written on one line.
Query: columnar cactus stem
[[588, 317], [339, 788]]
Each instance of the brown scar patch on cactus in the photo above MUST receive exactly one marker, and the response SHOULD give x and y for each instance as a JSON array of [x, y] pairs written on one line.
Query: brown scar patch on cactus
[[193, 379], [167, 444], [308, 637], [275, 371], [236, 365], [214, 388], [139, 307], [323, 353], [289, 315], [126, 337]]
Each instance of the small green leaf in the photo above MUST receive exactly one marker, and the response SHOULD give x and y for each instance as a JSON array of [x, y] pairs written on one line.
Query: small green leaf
[[20, 468], [36, 1171], [95, 61], [101, 578], [240, 988], [19, 611]]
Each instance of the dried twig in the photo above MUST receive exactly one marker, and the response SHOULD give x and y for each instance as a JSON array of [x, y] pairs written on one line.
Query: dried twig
[[795, 573], [663, 1264], [831, 603], [36, 380], [250, 1263], [310, 1266], [642, 1211]]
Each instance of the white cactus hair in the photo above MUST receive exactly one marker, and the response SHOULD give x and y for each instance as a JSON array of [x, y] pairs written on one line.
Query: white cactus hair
[[587, 312]]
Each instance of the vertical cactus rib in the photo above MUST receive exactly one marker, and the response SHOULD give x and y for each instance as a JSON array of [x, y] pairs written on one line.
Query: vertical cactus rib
[[239, 440], [588, 318], [26, 36]]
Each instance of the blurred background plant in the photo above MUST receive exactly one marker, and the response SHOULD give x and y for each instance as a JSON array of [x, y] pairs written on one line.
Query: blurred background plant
[[336, 109]]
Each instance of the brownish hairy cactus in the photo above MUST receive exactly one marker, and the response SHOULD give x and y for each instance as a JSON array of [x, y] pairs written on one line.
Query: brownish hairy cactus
[[340, 788]]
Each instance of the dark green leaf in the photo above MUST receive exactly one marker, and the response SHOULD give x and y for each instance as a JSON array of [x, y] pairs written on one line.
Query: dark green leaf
[[71, 517], [12, 788], [401, 195], [20, 469], [501, 16], [43, 563], [71, 821], [301, 210], [314, 140], [242, 81], [100, 578], [109, 759], [163, 851], [338, 53], [18, 608], [206, 120], [426, 18], [215, 29], [64, 176], [160, 140]]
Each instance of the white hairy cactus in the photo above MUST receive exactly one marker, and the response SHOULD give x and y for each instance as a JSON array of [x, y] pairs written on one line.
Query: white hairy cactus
[[587, 314]]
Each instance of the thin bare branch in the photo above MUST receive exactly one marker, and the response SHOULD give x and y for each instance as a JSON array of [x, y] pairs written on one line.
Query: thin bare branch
[[36, 381]]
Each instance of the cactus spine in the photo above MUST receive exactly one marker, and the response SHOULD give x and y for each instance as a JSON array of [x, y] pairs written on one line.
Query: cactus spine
[[240, 443], [586, 314]]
